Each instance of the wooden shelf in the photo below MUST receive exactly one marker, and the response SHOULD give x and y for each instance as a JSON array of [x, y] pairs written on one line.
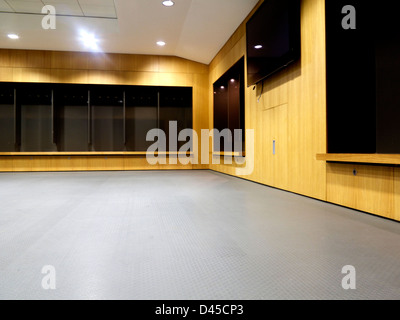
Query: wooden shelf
[[87, 153], [229, 154], [372, 158]]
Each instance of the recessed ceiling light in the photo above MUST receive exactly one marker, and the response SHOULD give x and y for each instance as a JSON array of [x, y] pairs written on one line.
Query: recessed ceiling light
[[259, 46], [161, 43], [168, 3], [89, 40], [13, 36]]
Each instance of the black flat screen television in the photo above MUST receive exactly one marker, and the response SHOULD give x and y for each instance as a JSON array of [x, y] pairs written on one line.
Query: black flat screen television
[[273, 38]]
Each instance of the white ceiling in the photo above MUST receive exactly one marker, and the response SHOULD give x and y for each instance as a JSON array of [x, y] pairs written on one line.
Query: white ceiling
[[193, 29], [85, 8]]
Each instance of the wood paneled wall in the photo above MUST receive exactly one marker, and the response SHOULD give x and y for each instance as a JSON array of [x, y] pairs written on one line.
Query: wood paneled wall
[[290, 110], [362, 187], [101, 68], [83, 163]]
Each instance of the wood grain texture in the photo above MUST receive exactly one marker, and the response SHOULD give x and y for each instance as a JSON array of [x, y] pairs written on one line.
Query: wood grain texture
[[6, 74], [58, 163], [298, 123], [290, 109], [396, 211], [22, 164], [105, 163], [200, 111], [362, 187], [280, 137], [265, 143], [6, 164], [372, 158], [29, 62], [228, 154], [275, 91], [307, 106], [101, 68], [274, 165], [341, 185], [89, 153]]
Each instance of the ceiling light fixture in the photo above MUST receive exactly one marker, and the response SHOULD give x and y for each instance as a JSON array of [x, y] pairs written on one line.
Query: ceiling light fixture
[[161, 43], [259, 46], [168, 3], [89, 40], [13, 36]]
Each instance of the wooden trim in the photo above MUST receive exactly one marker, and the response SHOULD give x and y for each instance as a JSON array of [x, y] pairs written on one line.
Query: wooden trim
[[140, 153], [373, 158], [229, 154]]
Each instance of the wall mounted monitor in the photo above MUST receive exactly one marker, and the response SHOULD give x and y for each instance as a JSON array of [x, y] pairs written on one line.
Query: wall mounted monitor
[[273, 38]]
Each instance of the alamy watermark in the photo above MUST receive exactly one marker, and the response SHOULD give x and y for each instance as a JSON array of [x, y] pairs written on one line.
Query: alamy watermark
[[50, 20], [349, 20], [193, 152], [49, 280], [349, 280]]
